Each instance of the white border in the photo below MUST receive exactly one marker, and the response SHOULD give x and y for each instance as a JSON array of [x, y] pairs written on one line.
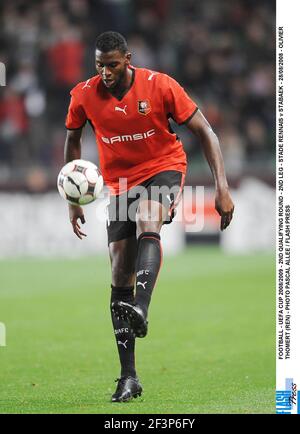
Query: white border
[[288, 17]]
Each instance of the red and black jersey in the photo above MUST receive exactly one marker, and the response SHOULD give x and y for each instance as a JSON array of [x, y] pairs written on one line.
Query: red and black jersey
[[133, 134]]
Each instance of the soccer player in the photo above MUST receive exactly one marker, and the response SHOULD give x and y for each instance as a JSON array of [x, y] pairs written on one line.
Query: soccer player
[[129, 109]]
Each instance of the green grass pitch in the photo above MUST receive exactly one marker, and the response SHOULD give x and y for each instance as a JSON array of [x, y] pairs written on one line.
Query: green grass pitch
[[210, 347]]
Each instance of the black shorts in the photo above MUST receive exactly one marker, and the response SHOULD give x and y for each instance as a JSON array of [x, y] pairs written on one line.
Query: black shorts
[[164, 187]]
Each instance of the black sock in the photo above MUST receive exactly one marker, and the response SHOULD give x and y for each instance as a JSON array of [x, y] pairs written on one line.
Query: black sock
[[148, 263], [125, 340]]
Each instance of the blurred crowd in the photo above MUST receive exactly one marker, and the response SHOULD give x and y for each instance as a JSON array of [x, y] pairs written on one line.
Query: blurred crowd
[[222, 52]]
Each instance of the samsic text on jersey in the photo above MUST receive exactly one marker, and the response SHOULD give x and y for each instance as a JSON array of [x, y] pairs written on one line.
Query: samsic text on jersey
[[133, 134]]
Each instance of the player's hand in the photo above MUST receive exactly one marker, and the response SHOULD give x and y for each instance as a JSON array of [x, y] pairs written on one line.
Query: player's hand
[[224, 206], [75, 213]]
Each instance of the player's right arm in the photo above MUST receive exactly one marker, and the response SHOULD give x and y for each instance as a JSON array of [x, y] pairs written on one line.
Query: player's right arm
[[73, 152], [184, 110]]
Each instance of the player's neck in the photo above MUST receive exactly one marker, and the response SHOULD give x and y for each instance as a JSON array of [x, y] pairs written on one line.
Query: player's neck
[[124, 85]]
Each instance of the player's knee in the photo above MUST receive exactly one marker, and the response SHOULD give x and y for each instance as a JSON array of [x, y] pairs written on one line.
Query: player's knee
[[144, 226], [149, 217], [149, 211]]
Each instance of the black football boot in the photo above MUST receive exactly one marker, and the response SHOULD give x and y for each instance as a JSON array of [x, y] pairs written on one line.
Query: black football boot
[[127, 388], [133, 315]]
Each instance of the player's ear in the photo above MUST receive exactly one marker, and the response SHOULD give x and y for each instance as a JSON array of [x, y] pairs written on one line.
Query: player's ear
[[128, 58]]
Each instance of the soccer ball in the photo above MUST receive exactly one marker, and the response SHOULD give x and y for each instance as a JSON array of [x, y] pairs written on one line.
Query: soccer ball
[[79, 182]]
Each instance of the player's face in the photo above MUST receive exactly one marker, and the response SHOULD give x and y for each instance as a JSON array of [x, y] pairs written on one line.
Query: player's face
[[112, 67]]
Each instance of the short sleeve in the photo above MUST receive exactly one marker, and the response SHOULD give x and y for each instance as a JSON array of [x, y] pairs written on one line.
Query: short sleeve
[[76, 117], [177, 102]]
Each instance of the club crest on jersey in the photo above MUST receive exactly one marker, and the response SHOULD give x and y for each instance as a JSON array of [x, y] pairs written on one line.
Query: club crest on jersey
[[144, 107]]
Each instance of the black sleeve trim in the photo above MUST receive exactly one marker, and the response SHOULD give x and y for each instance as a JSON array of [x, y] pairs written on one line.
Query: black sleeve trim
[[75, 129], [190, 117]]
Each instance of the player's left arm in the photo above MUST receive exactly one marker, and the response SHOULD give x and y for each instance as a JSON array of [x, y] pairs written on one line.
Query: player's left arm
[[223, 202]]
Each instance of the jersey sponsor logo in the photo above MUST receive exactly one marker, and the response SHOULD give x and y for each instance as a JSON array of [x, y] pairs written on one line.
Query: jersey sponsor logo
[[129, 137], [144, 107], [119, 109]]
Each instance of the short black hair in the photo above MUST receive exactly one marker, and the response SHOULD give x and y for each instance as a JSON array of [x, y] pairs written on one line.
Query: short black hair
[[111, 41]]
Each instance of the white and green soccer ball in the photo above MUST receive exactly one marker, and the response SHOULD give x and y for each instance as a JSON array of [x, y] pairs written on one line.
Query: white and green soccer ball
[[80, 182]]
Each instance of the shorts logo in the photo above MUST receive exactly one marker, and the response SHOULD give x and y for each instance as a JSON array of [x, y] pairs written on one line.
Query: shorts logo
[[144, 107]]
